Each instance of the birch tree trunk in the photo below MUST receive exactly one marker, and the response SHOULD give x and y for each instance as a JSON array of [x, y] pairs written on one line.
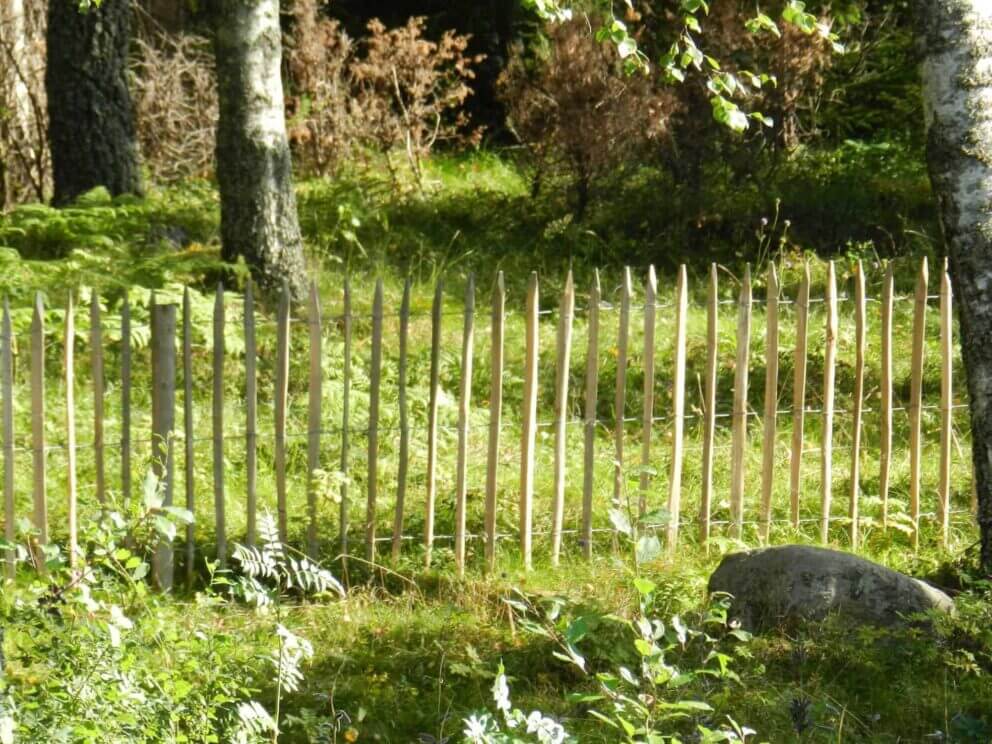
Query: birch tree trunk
[[254, 170], [955, 39], [90, 112]]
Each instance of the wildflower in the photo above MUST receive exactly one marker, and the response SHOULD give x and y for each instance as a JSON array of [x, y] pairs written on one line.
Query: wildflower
[[501, 694], [476, 729], [547, 730]]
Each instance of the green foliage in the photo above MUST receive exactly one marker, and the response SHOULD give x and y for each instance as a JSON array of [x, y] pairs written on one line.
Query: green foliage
[[93, 656]]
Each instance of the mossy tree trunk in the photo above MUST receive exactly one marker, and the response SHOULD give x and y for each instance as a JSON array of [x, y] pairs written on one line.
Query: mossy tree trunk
[[254, 170], [90, 113], [955, 40]]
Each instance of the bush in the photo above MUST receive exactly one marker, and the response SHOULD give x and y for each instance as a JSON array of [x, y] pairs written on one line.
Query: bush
[[394, 90], [175, 101], [574, 107]]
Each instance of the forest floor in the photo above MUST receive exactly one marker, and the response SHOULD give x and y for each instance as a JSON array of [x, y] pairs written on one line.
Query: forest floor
[[410, 653]]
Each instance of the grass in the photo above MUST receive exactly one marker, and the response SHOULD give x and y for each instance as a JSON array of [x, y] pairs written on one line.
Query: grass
[[405, 660]]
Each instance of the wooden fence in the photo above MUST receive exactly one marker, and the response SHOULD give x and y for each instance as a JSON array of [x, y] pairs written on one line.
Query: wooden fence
[[163, 350]]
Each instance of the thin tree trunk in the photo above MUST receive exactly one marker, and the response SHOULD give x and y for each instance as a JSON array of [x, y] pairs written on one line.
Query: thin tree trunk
[[955, 39], [90, 112], [254, 170]]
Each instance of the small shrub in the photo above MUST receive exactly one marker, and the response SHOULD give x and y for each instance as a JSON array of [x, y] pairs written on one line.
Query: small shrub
[[175, 99], [575, 108], [395, 90]]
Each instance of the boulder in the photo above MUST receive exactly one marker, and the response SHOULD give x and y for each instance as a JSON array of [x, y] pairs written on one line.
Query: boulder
[[782, 585]]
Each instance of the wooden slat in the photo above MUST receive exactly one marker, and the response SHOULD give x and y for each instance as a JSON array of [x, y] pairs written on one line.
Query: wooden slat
[[770, 423], [316, 397], [281, 401], [432, 424], [620, 396], [946, 403], [566, 313], [647, 413], [858, 404], [7, 393], [345, 424], [251, 417], [829, 371], [464, 404], [126, 400], [189, 434], [375, 384], [885, 394], [799, 397], [495, 415], [709, 404], [916, 398], [738, 444], [589, 423], [404, 406], [38, 418], [163, 322], [678, 408], [528, 434], [96, 364], [70, 431], [220, 517]]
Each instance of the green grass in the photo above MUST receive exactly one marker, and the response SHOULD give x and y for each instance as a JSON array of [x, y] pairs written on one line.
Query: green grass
[[416, 660]]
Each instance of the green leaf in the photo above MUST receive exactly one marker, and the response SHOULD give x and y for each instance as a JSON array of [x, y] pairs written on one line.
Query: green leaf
[[620, 522], [648, 548], [643, 586], [165, 528]]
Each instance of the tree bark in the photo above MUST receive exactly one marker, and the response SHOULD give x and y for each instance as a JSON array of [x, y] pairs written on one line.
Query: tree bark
[[254, 170], [90, 113], [955, 40]]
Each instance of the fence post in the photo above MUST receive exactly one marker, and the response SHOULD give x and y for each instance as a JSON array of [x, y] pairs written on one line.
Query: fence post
[[345, 424], [70, 429], [678, 408], [316, 396], [859, 386], [281, 395], [566, 312], [96, 362], [189, 433], [375, 383], [770, 424], [799, 396], [251, 415], [589, 424], [404, 463], [218, 426], [404, 406], [464, 405], [7, 385], [38, 418], [885, 449], [126, 399], [739, 422], [495, 415], [829, 369], [647, 414], [432, 424], [916, 398], [529, 428], [620, 399], [709, 404], [163, 320], [946, 404]]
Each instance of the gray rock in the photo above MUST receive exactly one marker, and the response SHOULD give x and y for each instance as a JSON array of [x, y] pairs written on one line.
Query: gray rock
[[781, 585]]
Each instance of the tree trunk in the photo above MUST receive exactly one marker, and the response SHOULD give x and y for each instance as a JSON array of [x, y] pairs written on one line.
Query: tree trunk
[[955, 38], [90, 113], [254, 170]]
